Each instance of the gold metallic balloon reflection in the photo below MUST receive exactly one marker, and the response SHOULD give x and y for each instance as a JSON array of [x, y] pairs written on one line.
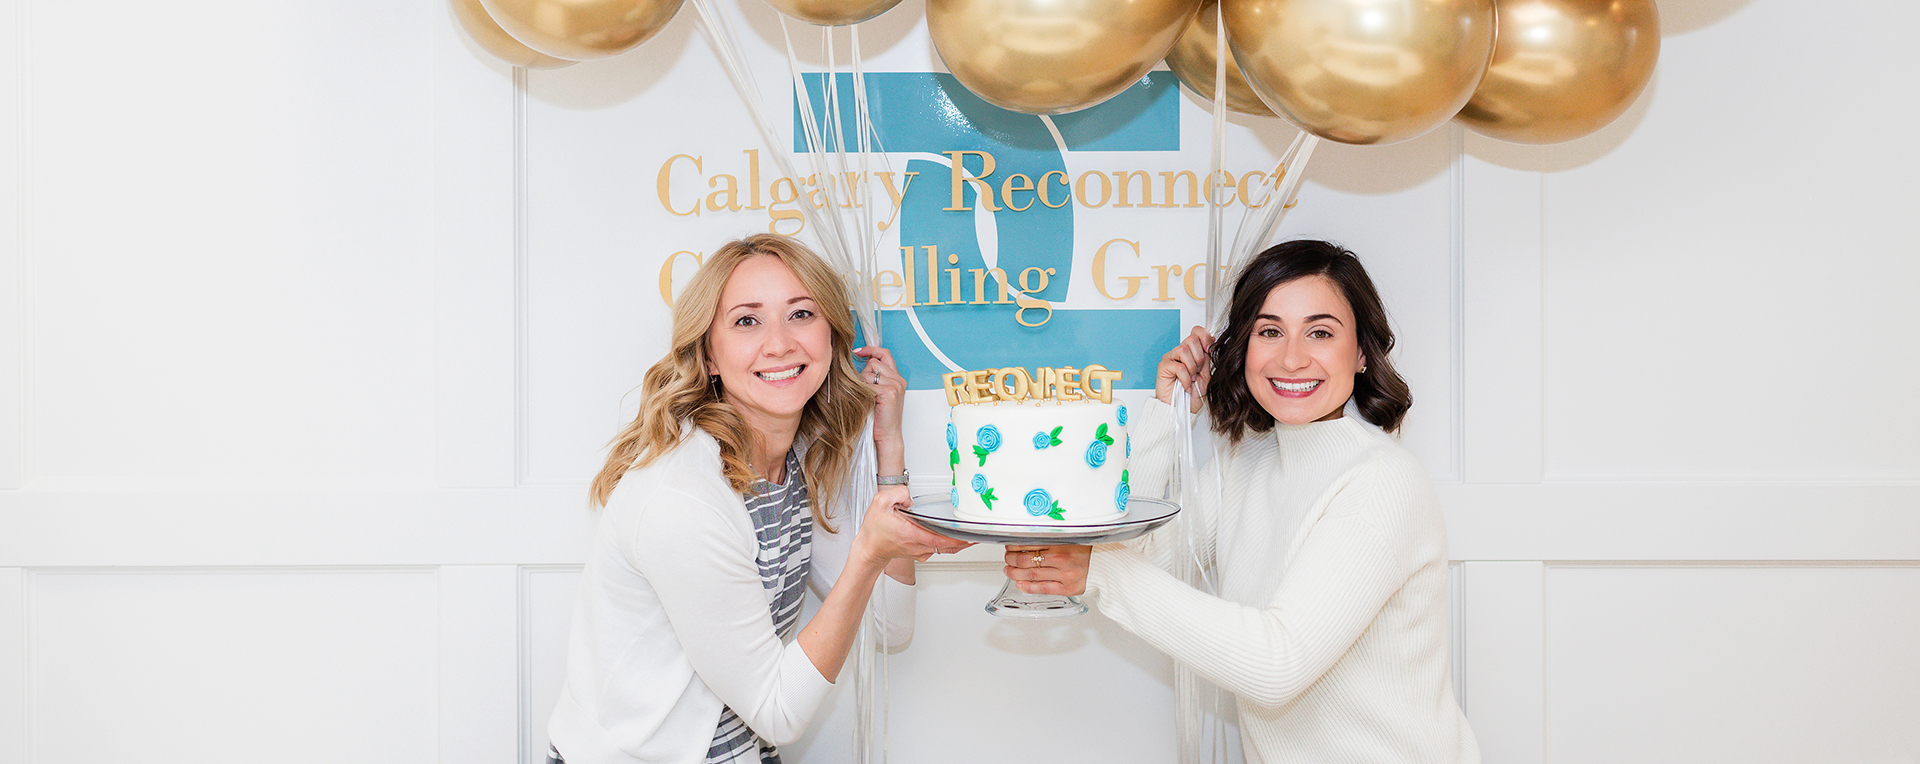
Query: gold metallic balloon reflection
[[491, 38], [1192, 60], [1362, 71], [1053, 56], [833, 13], [1563, 68], [581, 29]]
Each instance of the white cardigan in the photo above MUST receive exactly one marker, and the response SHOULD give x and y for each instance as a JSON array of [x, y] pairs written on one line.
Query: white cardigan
[[1331, 629], [671, 620]]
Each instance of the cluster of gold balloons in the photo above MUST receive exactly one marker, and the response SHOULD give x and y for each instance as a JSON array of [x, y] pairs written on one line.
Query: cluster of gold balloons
[[1194, 55], [1562, 69], [1354, 71], [548, 34], [1383, 71], [1053, 56]]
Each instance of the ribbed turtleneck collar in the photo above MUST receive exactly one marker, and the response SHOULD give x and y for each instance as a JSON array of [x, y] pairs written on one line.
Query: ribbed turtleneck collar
[[1330, 443]]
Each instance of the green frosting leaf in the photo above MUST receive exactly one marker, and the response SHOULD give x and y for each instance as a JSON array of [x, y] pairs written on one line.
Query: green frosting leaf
[[1123, 476], [1053, 438], [1055, 511], [982, 453], [1102, 436], [954, 458], [988, 497]]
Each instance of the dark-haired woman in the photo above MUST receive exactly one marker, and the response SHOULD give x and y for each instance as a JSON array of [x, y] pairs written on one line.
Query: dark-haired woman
[[1327, 541]]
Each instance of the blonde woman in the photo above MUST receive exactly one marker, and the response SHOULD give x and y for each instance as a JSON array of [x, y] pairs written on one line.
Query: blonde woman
[[723, 497]]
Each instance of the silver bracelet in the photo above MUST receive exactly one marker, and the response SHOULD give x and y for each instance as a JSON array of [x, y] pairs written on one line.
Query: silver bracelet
[[900, 479]]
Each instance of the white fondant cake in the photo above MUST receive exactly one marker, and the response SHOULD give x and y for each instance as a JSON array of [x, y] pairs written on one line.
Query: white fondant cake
[[1039, 462]]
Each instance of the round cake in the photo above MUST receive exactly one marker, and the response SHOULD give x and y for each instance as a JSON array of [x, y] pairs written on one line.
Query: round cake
[[1043, 462]]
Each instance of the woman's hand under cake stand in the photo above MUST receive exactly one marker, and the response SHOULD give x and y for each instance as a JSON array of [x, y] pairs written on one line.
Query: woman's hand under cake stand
[[935, 513]]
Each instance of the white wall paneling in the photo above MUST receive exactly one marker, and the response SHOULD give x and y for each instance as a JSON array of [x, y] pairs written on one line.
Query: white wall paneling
[[231, 271], [475, 298], [13, 243], [253, 664], [1706, 261], [1608, 521], [1651, 522], [975, 686], [1503, 423], [1764, 663], [546, 608], [1503, 606], [479, 651], [14, 657]]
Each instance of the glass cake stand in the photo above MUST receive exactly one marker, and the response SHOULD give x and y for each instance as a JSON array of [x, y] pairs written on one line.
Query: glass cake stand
[[934, 512]]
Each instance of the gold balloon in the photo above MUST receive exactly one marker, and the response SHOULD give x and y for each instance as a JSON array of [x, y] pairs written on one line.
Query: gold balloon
[[1563, 68], [1192, 60], [1053, 56], [581, 30], [1362, 71], [491, 38], [833, 13]]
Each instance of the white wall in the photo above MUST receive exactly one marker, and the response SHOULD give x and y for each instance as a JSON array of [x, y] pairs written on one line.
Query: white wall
[[297, 406]]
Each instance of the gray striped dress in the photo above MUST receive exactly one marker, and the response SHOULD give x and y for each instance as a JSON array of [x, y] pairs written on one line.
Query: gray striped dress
[[783, 524]]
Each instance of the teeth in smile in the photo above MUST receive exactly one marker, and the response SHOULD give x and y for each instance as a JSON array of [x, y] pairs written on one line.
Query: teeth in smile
[[775, 376], [1296, 387]]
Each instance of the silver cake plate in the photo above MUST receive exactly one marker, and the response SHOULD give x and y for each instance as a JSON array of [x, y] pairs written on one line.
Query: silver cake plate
[[935, 512]]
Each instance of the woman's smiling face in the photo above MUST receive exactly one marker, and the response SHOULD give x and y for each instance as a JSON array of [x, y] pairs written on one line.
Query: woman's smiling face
[[768, 343], [1303, 352]]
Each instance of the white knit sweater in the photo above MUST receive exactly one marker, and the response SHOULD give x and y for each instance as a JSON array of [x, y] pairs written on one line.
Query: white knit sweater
[[671, 620], [1331, 628]]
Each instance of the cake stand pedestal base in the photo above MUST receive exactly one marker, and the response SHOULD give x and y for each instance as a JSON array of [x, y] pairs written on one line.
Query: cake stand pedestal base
[[935, 513], [1013, 603]]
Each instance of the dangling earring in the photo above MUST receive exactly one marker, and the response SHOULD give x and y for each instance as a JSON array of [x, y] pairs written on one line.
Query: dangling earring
[[713, 381]]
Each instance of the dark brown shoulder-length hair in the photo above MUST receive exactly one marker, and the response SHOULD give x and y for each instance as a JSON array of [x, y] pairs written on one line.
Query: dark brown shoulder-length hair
[[1380, 393]]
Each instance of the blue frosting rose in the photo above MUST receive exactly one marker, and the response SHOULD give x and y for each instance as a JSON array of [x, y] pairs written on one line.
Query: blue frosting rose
[[1040, 440], [979, 483], [1120, 496], [1037, 502], [953, 496], [1096, 454], [1123, 414], [1129, 446], [953, 436], [989, 437]]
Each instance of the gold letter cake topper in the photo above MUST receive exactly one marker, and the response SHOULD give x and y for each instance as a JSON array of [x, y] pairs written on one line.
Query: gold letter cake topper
[[1014, 384]]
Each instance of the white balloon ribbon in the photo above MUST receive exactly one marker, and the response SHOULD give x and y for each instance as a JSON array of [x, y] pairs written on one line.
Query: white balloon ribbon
[[1202, 710], [846, 237]]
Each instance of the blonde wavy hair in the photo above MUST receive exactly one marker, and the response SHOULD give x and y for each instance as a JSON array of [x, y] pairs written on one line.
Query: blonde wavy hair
[[677, 389]]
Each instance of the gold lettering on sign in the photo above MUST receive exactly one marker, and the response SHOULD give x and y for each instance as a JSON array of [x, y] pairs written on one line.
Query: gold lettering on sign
[[961, 178], [666, 273], [664, 181], [1100, 271]]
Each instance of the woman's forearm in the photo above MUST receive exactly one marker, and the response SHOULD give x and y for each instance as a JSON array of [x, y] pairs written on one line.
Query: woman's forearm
[[828, 637], [889, 457]]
